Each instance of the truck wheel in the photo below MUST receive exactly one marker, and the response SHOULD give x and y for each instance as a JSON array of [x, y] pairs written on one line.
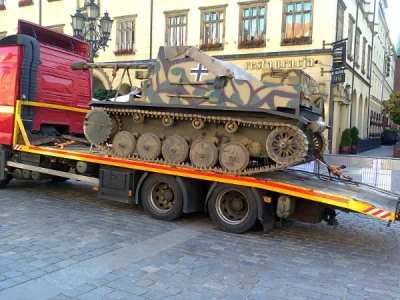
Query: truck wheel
[[162, 197], [233, 208]]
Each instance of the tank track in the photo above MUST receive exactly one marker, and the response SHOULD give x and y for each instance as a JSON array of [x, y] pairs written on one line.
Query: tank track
[[303, 157]]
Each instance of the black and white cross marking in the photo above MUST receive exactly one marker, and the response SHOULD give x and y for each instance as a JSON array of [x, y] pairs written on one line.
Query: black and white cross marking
[[198, 72]]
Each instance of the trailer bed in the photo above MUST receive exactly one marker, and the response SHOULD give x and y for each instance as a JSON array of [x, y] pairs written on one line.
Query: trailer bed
[[363, 199]]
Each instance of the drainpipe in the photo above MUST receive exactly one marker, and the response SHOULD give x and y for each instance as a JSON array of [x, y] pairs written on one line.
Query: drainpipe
[[331, 103], [354, 64], [40, 12], [151, 28], [370, 69]]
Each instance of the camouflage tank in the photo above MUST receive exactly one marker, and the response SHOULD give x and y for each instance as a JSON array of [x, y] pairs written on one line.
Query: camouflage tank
[[199, 112]]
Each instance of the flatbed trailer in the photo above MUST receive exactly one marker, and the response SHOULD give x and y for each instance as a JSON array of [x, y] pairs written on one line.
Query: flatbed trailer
[[235, 203]]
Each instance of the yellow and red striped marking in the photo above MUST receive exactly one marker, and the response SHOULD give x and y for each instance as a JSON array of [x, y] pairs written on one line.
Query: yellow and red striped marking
[[17, 147], [378, 213]]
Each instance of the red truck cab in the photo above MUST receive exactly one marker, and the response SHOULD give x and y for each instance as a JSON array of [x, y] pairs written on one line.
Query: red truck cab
[[35, 66]]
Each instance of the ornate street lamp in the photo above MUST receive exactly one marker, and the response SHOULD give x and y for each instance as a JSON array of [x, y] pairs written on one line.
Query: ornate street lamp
[[84, 27]]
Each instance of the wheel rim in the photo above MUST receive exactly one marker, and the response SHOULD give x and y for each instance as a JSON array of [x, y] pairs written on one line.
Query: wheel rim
[[232, 207], [286, 145], [149, 146], [162, 197], [203, 154], [234, 157], [175, 149]]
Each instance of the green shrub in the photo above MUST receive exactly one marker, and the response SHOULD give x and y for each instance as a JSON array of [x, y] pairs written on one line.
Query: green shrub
[[101, 94], [354, 136], [346, 138]]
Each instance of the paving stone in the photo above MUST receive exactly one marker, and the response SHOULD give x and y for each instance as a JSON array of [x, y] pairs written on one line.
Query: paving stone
[[102, 291], [118, 295], [36, 274], [22, 279], [5, 284], [150, 269], [51, 268], [12, 274]]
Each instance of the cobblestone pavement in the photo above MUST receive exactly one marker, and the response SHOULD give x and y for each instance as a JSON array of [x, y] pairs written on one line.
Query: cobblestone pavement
[[61, 242]]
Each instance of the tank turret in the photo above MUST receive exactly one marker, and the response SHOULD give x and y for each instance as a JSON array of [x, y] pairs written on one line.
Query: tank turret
[[200, 112]]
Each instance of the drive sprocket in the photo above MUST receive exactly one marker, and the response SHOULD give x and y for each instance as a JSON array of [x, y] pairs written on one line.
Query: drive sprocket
[[319, 143], [287, 145], [97, 126]]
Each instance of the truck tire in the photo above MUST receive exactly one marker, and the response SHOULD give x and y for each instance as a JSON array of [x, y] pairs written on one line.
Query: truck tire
[[162, 197], [233, 208]]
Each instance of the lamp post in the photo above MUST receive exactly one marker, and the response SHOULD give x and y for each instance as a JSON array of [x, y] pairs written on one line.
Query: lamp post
[[85, 27]]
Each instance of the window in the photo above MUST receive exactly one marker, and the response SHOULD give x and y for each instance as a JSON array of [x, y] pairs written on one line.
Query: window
[[212, 27], [3, 34], [297, 16], [252, 26], [363, 55], [357, 47], [350, 38], [339, 34], [176, 28], [59, 28], [125, 40]]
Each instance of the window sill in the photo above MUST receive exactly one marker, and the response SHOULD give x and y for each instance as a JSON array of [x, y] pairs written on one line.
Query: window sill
[[296, 41], [22, 3], [124, 52], [251, 44], [211, 47]]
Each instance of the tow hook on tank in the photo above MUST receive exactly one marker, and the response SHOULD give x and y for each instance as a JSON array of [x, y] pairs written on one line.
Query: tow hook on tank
[[330, 217]]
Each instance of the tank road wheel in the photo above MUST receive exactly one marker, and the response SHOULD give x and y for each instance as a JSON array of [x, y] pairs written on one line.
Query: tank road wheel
[[97, 126], [233, 208], [175, 149], [203, 154], [286, 145], [162, 197], [124, 143], [115, 126], [149, 146], [319, 143], [234, 157]]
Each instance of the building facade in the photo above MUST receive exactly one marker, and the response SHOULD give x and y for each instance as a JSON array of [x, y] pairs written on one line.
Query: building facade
[[397, 71], [252, 34]]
